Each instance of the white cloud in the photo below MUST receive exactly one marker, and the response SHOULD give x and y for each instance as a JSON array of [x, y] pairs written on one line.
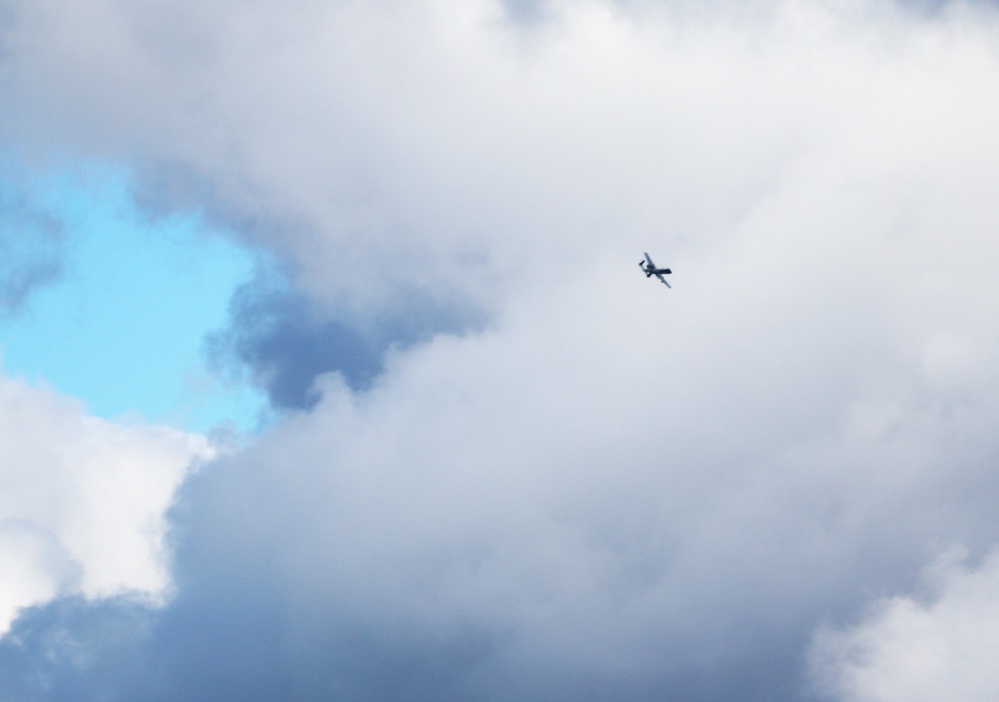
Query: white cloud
[[941, 645], [615, 487], [82, 500], [413, 138]]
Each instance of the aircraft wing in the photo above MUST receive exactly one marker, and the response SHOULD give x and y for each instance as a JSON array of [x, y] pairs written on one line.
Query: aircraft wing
[[648, 260], [663, 280]]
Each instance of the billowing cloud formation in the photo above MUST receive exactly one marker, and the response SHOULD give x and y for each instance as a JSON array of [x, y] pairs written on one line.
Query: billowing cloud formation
[[612, 490], [287, 341], [942, 646], [81, 500]]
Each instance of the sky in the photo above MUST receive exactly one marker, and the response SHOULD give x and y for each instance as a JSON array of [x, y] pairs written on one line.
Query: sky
[[328, 371], [120, 319]]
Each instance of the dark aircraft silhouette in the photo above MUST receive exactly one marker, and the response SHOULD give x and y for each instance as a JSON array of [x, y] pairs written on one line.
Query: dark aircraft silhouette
[[649, 268]]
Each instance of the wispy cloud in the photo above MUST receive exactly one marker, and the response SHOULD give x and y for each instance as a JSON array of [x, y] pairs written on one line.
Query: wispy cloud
[[31, 252]]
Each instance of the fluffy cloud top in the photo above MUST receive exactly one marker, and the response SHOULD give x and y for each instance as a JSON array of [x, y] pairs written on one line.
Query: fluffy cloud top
[[942, 645], [82, 500]]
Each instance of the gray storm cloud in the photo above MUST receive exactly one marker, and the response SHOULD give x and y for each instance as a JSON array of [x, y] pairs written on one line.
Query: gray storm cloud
[[608, 490]]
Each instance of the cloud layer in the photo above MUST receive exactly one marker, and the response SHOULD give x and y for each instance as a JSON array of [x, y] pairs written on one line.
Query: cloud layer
[[563, 481]]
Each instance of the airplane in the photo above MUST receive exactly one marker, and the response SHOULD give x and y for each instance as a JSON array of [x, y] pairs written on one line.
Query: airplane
[[649, 268]]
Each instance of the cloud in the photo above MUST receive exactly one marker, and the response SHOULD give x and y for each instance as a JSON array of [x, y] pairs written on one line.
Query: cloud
[[82, 500], [30, 252], [938, 645], [286, 341], [605, 489], [96, 651]]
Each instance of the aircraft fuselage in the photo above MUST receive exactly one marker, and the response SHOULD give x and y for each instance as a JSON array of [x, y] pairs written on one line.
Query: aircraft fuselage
[[649, 268]]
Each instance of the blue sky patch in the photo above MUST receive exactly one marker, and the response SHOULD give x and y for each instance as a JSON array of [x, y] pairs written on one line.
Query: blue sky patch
[[121, 318]]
